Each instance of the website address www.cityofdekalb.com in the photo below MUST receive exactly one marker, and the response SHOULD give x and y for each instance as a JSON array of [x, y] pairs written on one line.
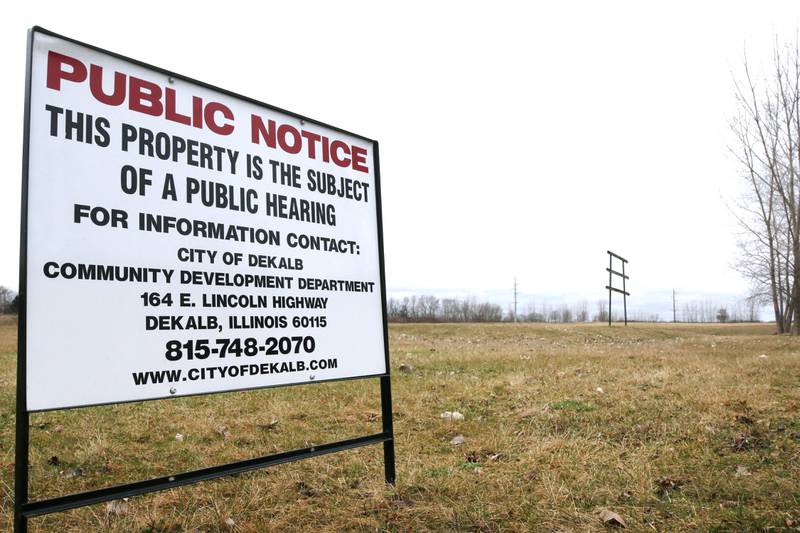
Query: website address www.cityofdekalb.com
[[154, 377]]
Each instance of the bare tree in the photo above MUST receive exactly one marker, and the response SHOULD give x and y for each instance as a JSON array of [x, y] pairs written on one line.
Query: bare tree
[[767, 133], [428, 308], [602, 312], [582, 312], [450, 310]]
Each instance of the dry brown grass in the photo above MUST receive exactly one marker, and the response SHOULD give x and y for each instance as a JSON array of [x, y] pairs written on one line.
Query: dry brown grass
[[682, 409]]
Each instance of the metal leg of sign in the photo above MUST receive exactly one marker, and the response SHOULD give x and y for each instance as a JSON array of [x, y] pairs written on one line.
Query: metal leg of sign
[[388, 430], [22, 423], [22, 427], [21, 472]]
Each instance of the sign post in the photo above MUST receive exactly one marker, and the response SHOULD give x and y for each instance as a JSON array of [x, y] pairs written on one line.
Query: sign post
[[180, 239]]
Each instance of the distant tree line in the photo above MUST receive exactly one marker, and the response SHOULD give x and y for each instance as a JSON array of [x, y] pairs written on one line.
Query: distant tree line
[[706, 311], [428, 308], [431, 309]]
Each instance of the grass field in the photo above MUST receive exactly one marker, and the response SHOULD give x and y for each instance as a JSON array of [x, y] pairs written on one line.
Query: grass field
[[673, 427]]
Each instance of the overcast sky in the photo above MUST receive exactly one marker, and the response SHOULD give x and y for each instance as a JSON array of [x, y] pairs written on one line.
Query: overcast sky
[[515, 141]]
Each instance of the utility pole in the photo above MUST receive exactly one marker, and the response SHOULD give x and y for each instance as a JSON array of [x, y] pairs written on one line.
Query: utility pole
[[674, 314], [610, 286], [515, 298]]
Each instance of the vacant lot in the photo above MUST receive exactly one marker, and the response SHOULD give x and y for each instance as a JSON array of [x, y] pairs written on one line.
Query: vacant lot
[[673, 427]]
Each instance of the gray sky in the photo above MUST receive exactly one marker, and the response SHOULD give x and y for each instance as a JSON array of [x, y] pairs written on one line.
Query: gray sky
[[516, 139]]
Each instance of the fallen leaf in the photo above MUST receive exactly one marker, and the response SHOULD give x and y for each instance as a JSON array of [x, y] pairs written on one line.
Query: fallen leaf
[[665, 485], [229, 523], [223, 431], [610, 518], [742, 471], [483, 455], [305, 489]]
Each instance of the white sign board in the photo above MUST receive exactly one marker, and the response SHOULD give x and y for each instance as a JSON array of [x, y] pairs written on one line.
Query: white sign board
[[185, 240]]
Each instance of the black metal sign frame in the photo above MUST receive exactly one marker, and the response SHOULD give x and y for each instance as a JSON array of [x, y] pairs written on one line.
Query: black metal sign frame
[[611, 288], [25, 509]]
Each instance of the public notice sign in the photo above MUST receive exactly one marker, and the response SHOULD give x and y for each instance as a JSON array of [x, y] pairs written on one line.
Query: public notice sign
[[182, 239]]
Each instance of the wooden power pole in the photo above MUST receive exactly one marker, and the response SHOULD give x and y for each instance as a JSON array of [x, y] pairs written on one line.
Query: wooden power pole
[[610, 286]]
